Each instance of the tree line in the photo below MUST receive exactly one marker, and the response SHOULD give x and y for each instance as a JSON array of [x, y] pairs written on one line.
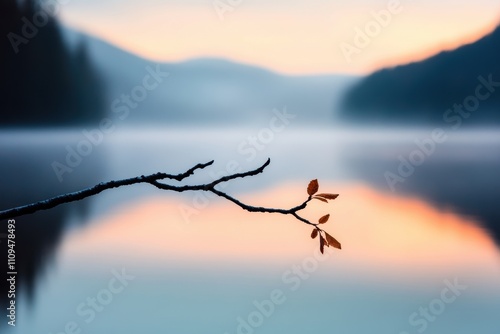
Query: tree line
[[42, 81]]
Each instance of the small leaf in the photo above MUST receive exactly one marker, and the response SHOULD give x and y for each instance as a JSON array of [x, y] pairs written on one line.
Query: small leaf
[[321, 244], [314, 233], [332, 241], [313, 187], [328, 196], [324, 219], [321, 199]]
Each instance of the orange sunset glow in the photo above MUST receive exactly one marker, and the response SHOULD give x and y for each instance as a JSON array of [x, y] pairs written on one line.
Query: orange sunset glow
[[294, 39], [376, 230]]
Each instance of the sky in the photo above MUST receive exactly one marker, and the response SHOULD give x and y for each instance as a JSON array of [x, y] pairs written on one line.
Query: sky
[[287, 36]]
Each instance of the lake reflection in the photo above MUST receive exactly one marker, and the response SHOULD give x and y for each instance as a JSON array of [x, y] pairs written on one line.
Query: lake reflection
[[200, 263], [390, 237]]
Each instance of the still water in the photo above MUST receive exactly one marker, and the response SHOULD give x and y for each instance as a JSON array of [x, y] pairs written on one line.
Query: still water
[[420, 254]]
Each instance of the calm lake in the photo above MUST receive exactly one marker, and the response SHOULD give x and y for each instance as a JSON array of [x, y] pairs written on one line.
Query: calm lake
[[417, 217]]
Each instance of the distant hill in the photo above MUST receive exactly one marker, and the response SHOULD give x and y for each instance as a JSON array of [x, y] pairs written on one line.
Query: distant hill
[[210, 90], [423, 91]]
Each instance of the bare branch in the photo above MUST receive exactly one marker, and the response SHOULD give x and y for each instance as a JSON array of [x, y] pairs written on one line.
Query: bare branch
[[79, 195], [151, 179], [154, 179]]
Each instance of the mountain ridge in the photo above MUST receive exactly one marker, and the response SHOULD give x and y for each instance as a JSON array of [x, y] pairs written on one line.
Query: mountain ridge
[[213, 90], [423, 91]]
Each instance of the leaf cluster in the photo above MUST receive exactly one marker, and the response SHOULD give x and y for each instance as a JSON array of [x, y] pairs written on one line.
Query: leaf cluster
[[325, 239]]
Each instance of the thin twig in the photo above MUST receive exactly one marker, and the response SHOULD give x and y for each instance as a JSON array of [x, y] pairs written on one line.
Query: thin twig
[[153, 179]]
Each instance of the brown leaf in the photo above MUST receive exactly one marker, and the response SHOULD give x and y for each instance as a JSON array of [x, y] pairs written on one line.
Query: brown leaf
[[321, 199], [321, 244], [328, 196], [324, 219], [332, 241], [313, 187], [314, 233]]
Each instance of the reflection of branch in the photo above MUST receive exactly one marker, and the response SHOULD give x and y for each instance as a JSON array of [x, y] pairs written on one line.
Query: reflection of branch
[[154, 179]]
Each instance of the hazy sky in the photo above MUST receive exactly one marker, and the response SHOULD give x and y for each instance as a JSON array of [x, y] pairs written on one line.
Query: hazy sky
[[289, 36]]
